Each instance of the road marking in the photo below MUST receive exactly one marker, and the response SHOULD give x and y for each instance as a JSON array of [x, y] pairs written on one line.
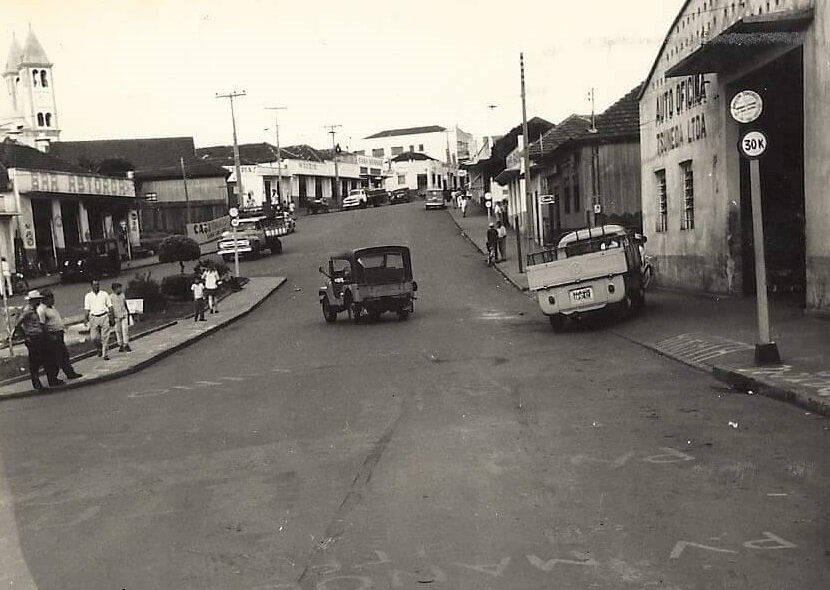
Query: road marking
[[694, 348], [769, 542], [681, 545], [496, 570], [546, 566]]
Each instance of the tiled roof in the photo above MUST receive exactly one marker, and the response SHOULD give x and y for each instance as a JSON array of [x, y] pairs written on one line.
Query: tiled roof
[[571, 128], [407, 156], [257, 153], [193, 168], [141, 153], [17, 155], [408, 131], [621, 119]]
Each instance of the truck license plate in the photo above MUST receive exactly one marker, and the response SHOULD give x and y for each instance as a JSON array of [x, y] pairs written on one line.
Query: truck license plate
[[582, 295]]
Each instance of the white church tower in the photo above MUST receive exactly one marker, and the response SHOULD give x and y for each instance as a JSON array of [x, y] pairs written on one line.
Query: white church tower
[[30, 115]]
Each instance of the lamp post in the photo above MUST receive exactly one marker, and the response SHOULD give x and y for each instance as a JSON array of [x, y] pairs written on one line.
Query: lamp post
[[333, 129]]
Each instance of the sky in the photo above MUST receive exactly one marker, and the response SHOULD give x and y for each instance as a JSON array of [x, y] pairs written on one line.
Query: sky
[[152, 68]]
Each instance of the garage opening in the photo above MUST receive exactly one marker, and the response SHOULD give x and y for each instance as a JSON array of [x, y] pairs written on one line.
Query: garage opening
[[780, 84]]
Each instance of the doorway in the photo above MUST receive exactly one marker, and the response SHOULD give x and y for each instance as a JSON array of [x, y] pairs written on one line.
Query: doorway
[[44, 238], [780, 84]]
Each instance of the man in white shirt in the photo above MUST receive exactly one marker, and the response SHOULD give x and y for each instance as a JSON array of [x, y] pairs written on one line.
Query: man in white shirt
[[100, 318], [6, 270]]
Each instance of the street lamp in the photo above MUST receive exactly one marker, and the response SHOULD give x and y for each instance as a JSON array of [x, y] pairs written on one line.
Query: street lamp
[[279, 153], [239, 188]]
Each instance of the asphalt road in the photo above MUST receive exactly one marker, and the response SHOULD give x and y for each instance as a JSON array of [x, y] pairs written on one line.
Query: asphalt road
[[467, 448]]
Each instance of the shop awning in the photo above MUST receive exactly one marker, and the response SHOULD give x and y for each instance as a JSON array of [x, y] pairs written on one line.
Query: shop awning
[[743, 40], [507, 175]]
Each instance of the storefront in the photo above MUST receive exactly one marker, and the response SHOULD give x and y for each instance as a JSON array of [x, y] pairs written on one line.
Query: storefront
[[49, 212], [695, 192]]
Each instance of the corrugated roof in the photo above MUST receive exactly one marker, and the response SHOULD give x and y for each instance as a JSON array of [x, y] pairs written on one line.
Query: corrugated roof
[[17, 155], [408, 131], [153, 152]]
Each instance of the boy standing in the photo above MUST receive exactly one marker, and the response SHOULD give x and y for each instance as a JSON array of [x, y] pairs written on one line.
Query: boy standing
[[198, 290], [122, 318]]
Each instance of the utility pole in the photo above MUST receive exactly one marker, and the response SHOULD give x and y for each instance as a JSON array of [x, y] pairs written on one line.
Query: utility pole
[[186, 196], [526, 155], [239, 188], [595, 196], [279, 153], [336, 191]]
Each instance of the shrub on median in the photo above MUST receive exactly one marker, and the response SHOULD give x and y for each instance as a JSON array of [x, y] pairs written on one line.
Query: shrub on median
[[177, 287]]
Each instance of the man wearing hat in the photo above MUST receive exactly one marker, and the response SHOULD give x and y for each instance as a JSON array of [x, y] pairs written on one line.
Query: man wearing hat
[[492, 243], [34, 335]]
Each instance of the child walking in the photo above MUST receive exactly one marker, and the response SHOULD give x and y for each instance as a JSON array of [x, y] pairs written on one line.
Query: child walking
[[198, 289]]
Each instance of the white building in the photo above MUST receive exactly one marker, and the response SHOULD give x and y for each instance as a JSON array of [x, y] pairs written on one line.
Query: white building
[[447, 145], [29, 114], [417, 172]]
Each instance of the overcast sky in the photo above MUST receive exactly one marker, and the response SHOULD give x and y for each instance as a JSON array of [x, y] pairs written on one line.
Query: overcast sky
[[152, 68]]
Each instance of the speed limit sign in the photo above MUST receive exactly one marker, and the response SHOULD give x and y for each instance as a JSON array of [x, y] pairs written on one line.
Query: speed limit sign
[[753, 144]]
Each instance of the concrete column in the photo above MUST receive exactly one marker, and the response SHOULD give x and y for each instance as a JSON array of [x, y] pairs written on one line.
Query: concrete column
[[83, 222], [57, 225]]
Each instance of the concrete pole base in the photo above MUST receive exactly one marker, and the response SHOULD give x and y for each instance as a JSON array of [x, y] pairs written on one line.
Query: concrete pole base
[[767, 354]]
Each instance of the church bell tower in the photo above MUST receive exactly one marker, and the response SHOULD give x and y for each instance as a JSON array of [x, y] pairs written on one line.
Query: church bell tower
[[32, 116]]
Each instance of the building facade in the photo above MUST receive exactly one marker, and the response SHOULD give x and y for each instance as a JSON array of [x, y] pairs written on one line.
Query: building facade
[[440, 143], [419, 172], [696, 200], [30, 113], [49, 205], [302, 173], [174, 187]]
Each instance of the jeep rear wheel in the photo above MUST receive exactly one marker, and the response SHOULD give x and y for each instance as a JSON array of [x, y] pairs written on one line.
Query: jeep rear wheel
[[328, 313]]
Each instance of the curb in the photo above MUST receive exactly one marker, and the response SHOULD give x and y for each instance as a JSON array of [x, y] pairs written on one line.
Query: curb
[[795, 395], [147, 362], [524, 290]]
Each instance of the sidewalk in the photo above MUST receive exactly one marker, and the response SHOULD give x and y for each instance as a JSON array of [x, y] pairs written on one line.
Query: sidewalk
[[713, 333], [155, 345]]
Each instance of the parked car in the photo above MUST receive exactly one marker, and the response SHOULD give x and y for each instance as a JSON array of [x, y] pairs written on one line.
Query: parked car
[[377, 196], [369, 280], [357, 198], [91, 260], [318, 205], [435, 199], [400, 195], [253, 235], [588, 271]]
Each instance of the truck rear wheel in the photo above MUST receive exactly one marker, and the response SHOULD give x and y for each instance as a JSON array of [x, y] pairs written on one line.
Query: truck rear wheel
[[276, 247], [328, 313]]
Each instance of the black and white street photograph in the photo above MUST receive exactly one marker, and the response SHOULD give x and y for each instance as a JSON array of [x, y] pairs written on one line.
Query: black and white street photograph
[[448, 295]]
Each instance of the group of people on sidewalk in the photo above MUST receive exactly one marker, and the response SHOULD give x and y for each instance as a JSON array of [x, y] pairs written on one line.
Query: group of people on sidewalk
[[206, 281], [496, 242], [43, 330]]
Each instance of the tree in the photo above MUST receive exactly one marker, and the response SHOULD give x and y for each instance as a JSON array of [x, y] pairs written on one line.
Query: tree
[[178, 248]]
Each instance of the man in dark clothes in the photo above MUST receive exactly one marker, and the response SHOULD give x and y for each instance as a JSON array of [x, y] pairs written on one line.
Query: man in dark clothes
[[492, 244], [34, 335]]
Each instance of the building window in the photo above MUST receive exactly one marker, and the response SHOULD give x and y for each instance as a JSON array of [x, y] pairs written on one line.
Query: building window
[[378, 153], [688, 195], [662, 202], [412, 148], [575, 190], [43, 81], [35, 78], [40, 120], [397, 150], [48, 119], [375, 171], [420, 147], [360, 153], [364, 170], [401, 178]]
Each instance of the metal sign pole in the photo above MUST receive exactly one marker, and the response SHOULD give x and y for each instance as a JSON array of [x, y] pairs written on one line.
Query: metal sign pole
[[766, 351]]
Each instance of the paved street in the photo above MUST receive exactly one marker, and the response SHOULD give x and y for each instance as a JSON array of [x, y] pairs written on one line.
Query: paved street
[[467, 448]]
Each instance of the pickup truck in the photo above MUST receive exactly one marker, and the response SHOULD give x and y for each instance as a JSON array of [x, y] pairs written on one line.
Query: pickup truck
[[589, 270], [253, 236]]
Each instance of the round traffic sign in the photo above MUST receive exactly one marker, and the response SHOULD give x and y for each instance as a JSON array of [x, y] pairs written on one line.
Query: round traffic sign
[[235, 221], [234, 212], [746, 106], [753, 144]]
